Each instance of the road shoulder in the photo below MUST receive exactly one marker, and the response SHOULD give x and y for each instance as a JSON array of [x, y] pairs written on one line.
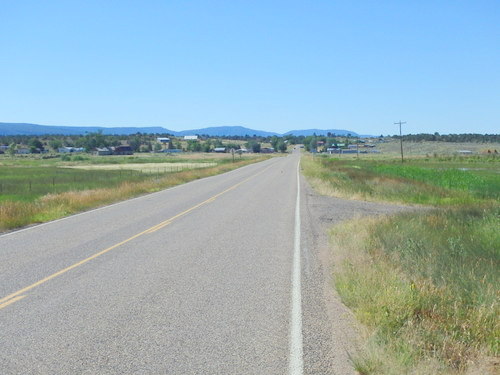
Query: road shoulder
[[331, 333]]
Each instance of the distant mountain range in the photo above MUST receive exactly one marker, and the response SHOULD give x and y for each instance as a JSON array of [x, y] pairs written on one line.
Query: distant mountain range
[[218, 131]]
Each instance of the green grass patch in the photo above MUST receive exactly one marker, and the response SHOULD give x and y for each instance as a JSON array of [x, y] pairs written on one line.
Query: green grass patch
[[419, 181]]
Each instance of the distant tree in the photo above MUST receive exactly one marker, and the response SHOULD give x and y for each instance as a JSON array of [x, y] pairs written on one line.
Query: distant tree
[[193, 146], [234, 146], [207, 146], [281, 146], [55, 144], [256, 147], [135, 142], [35, 144], [12, 149], [274, 141]]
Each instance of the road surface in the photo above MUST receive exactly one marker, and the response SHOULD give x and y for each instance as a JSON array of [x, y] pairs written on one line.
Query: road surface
[[218, 276]]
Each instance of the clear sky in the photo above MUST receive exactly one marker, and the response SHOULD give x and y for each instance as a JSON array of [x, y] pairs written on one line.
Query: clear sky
[[268, 65]]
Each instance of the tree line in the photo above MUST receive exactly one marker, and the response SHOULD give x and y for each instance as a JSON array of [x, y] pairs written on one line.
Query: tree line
[[143, 142], [436, 137]]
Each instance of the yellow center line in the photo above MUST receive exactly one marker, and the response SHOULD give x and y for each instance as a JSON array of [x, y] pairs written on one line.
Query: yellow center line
[[16, 296], [5, 304]]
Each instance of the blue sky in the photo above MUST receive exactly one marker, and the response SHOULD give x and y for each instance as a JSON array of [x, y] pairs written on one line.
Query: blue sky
[[267, 65]]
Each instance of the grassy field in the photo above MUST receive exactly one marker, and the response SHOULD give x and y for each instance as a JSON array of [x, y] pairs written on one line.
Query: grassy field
[[417, 181], [432, 149], [425, 284], [33, 189]]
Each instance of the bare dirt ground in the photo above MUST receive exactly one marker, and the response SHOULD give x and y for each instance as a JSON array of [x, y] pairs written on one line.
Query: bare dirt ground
[[325, 314]]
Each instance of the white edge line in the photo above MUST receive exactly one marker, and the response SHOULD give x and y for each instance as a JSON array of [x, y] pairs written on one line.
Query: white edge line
[[296, 364], [35, 226]]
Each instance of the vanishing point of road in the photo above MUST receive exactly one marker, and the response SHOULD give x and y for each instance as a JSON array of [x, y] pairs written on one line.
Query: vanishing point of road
[[215, 276]]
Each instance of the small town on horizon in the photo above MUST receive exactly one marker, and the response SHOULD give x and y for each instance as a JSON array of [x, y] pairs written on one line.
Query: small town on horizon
[[21, 138]]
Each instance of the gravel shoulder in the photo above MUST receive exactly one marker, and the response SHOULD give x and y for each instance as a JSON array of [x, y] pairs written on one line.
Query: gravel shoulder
[[327, 321]]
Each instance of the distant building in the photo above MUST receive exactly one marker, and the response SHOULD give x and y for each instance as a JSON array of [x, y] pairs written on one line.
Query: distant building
[[190, 137], [103, 151], [266, 150], [122, 150], [65, 150], [220, 149], [162, 140]]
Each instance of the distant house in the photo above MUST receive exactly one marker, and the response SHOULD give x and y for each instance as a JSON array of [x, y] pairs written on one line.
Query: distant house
[[220, 149], [266, 150], [190, 137], [103, 151], [122, 150], [65, 150], [162, 140], [23, 151]]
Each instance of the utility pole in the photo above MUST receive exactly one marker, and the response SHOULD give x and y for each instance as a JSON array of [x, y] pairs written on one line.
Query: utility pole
[[400, 137]]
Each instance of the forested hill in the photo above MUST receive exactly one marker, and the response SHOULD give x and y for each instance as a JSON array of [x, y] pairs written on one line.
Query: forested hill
[[10, 129]]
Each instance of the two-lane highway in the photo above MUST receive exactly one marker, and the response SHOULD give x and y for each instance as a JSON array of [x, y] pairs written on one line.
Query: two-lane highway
[[204, 278]]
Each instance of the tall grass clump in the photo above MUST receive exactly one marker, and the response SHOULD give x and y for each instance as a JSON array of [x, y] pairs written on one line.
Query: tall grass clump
[[426, 285]]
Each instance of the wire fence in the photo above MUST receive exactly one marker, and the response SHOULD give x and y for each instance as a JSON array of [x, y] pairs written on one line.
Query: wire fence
[[29, 183]]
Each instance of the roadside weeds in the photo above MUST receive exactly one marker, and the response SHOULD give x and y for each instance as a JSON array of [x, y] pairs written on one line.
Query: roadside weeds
[[423, 284]]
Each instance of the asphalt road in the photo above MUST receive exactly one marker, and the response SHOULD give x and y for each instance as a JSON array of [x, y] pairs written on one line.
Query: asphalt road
[[195, 279], [225, 275]]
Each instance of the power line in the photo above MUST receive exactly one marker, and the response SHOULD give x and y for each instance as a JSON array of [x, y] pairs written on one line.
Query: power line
[[400, 136]]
